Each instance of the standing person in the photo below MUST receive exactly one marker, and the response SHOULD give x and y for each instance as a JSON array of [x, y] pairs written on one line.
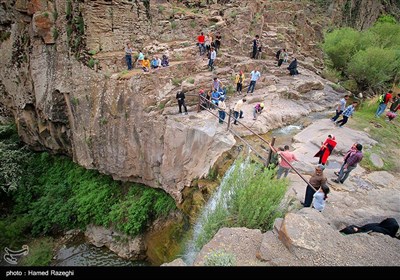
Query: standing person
[[317, 180], [180, 96], [215, 98], [221, 110], [394, 108], [326, 149], [284, 167], [201, 42], [281, 57], [353, 149], [347, 113], [237, 110], [352, 161], [213, 56], [217, 43], [207, 42], [293, 68], [140, 58], [255, 75], [239, 79], [256, 43], [340, 107], [216, 84], [277, 55], [320, 196], [128, 55], [383, 103], [257, 110]]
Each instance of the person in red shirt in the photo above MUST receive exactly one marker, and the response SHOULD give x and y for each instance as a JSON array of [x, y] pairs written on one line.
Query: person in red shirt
[[326, 149], [200, 42]]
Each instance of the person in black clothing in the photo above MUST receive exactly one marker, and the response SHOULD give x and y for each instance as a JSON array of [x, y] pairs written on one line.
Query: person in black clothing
[[255, 46], [217, 41], [388, 226], [293, 67], [180, 96]]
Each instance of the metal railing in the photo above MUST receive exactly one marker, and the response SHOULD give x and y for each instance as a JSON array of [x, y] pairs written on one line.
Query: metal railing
[[202, 100]]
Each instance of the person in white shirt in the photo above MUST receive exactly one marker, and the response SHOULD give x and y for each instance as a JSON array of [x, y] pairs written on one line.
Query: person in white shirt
[[255, 75], [213, 56], [237, 110]]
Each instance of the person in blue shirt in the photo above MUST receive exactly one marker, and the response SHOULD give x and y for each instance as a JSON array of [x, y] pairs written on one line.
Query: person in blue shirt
[[215, 98], [347, 114]]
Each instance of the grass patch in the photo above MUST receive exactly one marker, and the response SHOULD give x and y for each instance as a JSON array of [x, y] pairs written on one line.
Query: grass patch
[[40, 253], [387, 134], [190, 80], [219, 258], [176, 81], [193, 24]]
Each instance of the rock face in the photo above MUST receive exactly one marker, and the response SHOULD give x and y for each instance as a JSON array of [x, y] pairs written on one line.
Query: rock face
[[122, 245], [60, 77]]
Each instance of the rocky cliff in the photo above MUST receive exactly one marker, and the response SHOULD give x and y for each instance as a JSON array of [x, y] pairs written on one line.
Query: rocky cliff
[[61, 79]]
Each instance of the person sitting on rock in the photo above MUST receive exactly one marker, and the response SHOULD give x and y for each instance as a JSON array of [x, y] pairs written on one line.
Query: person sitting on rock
[[154, 63], [164, 61], [146, 65], [293, 68]]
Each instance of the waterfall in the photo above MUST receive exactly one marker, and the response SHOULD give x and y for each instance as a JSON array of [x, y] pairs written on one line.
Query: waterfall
[[218, 201]]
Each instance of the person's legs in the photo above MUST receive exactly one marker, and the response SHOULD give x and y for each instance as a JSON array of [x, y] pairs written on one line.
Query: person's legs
[[180, 106], [344, 121], [241, 114], [220, 116], [184, 106], [235, 116], [380, 110], [254, 86], [254, 53], [254, 113], [240, 85], [338, 113], [286, 172], [346, 173], [279, 172], [309, 196]]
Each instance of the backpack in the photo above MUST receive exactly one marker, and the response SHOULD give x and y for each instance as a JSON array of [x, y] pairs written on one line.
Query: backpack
[[382, 98]]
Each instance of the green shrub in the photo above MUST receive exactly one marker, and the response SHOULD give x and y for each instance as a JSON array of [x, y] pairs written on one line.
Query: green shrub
[[55, 33], [193, 24], [219, 258], [374, 67], [190, 80], [340, 45], [40, 253], [176, 81], [173, 25], [249, 196]]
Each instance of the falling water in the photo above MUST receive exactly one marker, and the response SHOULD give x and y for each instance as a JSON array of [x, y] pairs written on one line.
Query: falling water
[[220, 198]]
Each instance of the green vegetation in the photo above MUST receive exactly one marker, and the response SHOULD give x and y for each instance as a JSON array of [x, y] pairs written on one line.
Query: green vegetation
[[253, 196], [386, 133], [190, 80], [40, 253], [368, 60], [75, 101], [4, 35], [55, 33], [52, 194], [92, 62], [176, 81], [193, 24], [173, 24], [55, 15], [219, 258]]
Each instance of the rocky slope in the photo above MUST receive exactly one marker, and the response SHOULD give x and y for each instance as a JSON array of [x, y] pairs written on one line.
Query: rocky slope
[[61, 79], [307, 237]]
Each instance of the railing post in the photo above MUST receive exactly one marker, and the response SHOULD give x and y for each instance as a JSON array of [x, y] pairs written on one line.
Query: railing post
[[270, 151], [198, 104], [229, 118]]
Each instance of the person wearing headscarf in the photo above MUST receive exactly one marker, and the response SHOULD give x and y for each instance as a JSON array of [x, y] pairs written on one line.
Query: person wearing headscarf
[[239, 79], [388, 226], [293, 67], [326, 149], [316, 181]]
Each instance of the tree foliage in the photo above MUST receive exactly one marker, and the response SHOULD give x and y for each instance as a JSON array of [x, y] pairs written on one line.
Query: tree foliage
[[371, 57]]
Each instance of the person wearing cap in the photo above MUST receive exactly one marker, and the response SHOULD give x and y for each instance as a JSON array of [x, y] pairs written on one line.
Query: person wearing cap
[[221, 109], [257, 110], [351, 163], [317, 180]]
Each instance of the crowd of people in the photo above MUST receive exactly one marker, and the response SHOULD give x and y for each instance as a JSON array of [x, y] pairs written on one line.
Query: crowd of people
[[317, 189]]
